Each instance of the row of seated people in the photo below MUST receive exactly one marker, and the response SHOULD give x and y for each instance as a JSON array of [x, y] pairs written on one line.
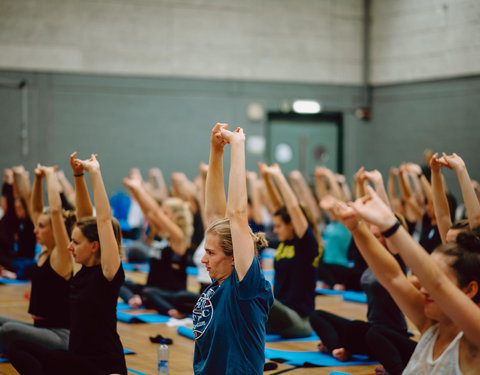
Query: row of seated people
[[302, 255]]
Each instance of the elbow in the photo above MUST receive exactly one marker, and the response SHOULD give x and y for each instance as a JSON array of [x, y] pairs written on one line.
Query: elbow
[[237, 213]]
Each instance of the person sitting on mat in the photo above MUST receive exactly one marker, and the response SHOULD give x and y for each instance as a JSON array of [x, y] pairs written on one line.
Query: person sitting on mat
[[167, 280], [229, 317], [445, 309], [295, 261]]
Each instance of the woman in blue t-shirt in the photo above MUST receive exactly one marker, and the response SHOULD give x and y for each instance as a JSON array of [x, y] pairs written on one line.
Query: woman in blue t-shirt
[[229, 318], [295, 260]]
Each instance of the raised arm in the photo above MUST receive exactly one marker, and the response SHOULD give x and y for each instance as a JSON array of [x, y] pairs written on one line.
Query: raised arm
[[439, 198], [82, 198], [413, 211], [470, 199], [110, 252], [254, 197], [299, 221], [333, 186], [237, 207], [21, 179], [456, 303], [215, 201], [67, 188], [158, 182], [156, 216], [375, 177], [37, 194], [273, 194], [384, 265], [360, 182], [61, 258], [203, 169], [304, 193]]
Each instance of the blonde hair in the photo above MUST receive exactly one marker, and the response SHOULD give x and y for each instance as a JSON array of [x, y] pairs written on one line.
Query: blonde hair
[[221, 228], [182, 216]]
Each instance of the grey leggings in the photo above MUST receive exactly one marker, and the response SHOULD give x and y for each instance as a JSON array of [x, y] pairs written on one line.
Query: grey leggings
[[14, 332], [284, 321]]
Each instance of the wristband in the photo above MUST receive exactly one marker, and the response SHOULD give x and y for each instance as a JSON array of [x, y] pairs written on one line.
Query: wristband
[[78, 175], [392, 229]]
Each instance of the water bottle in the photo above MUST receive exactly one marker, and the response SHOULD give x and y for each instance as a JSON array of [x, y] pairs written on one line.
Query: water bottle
[[163, 358]]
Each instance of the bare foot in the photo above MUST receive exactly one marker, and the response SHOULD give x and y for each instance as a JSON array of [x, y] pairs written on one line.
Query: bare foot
[[322, 285], [135, 301], [340, 287], [174, 313], [341, 354], [322, 348]]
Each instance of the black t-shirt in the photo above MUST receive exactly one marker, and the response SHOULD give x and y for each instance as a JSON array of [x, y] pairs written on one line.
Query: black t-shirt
[[295, 273], [49, 298], [429, 236], [169, 272], [93, 332], [26, 239]]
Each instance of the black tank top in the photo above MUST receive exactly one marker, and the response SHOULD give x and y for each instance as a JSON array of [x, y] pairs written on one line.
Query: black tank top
[[49, 298]]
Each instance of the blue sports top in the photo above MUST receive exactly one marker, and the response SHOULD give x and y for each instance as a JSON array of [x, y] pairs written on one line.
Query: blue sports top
[[229, 324]]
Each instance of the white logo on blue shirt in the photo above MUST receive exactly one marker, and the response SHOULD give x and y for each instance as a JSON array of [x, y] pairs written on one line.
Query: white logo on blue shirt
[[203, 313]]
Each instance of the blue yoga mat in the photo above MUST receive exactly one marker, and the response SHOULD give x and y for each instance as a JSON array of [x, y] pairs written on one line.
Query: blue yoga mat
[[192, 271], [352, 296], [141, 318], [329, 292], [142, 267], [3, 360], [278, 338], [186, 332], [338, 373], [135, 372], [12, 282], [127, 352], [314, 358]]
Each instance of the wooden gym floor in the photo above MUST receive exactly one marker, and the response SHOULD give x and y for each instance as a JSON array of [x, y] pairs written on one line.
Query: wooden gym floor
[[135, 337]]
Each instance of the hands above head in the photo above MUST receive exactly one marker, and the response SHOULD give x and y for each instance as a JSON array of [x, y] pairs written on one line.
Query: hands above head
[[217, 141], [374, 210], [274, 170], [453, 161], [43, 170], [344, 213], [90, 165], [437, 163], [262, 168], [8, 176], [375, 177], [414, 169], [340, 178], [132, 183], [296, 175], [321, 171], [18, 169], [232, 137], [394, 171], [359, 176], [251, 175], [203, 169], [77, 166]]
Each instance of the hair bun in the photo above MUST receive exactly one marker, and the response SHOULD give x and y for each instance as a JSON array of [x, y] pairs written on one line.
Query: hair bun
[[470, 240]]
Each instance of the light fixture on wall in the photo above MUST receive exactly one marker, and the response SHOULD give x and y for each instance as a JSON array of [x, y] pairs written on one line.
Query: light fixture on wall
[[306, 106]]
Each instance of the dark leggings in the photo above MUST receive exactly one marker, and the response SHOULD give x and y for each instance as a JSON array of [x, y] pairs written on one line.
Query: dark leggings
[[164, 300], [391, 348], [32, 360]]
